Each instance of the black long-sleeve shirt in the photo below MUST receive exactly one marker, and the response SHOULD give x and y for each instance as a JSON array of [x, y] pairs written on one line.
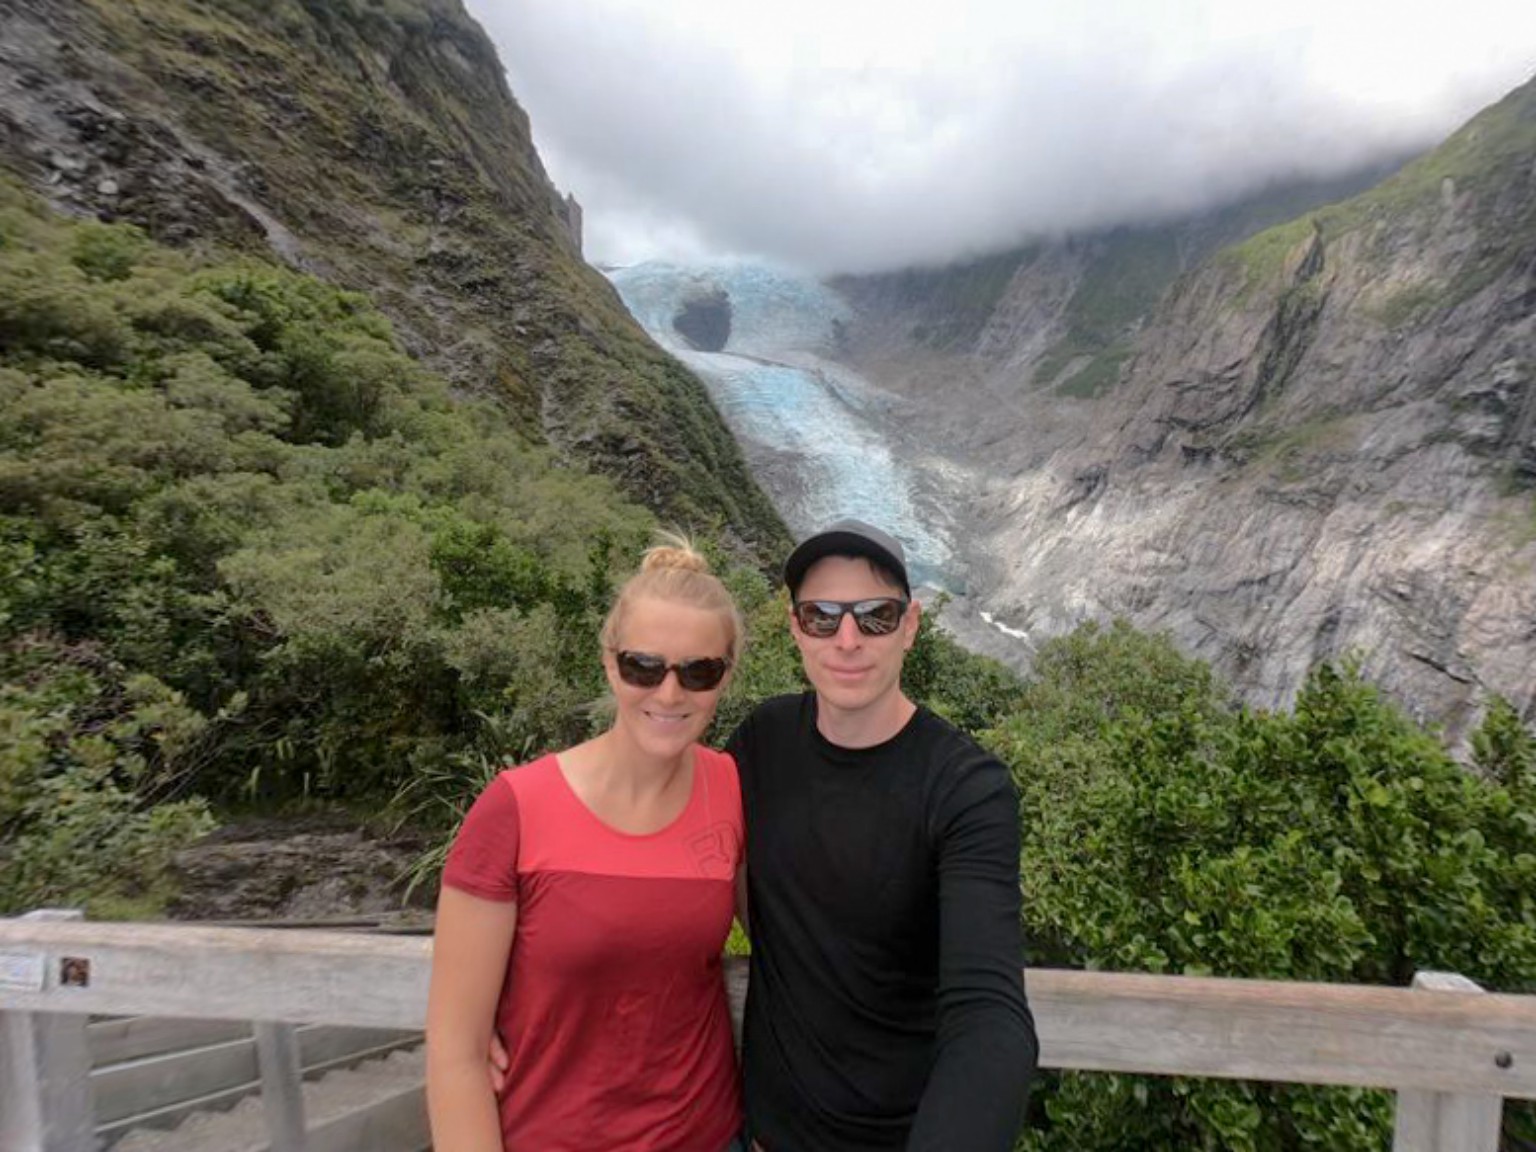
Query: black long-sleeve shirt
[[886, 1008]]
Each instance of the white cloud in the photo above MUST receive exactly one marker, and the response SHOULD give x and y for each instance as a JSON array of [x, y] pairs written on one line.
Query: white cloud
[[854, 134]]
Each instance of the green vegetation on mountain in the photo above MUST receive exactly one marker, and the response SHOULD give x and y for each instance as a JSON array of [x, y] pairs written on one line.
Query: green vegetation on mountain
[[252, 549], [1125, 272], [1475, 177], [83, 750], [264, 535], [375, 143], [955, 301]]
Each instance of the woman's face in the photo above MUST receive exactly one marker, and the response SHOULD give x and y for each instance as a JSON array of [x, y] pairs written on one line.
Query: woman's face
[[665, 720]]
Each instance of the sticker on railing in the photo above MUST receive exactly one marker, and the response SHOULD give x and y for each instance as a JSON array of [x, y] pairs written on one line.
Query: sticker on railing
[[22, 971], [75, 972]]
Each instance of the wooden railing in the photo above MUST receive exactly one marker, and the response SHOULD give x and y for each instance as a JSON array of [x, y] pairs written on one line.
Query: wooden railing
[[1450, 1051]]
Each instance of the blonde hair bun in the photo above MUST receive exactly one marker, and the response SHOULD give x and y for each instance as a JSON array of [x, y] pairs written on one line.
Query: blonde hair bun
[[676, 553], [677, 571]]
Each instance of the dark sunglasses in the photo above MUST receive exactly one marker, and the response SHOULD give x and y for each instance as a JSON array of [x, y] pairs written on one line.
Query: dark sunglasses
[[822, 618], [646, 670]]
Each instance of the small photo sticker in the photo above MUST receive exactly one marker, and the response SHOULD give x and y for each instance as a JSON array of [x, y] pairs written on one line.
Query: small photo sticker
[[75, 972]]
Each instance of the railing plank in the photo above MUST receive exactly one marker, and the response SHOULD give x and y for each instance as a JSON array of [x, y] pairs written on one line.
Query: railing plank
[[228, 973], [157, 1082], [1285, 1031], [163, 1078], [109, 1132], [1117, 1022], [124, 1099], [139, 1037]]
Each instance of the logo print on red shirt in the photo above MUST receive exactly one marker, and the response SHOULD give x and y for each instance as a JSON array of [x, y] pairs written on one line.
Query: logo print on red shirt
[[714, 851]]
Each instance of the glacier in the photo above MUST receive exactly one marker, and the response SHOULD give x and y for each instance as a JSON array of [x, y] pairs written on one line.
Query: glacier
[[817, 436]]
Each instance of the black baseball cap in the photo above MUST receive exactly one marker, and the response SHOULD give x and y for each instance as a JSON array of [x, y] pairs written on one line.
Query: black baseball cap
[[848, 538]]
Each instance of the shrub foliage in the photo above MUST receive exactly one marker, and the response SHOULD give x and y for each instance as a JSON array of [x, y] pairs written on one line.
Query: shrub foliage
[[226, 481], [1166, 830]]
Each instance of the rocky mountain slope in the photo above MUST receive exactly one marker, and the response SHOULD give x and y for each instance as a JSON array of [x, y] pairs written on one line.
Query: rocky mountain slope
[[1321, 440], [374, 143]]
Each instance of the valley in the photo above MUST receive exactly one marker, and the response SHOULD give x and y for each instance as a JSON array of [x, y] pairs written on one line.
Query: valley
[[1282, 443]]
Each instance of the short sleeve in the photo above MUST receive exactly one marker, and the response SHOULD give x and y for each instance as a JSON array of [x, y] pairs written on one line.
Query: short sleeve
[[724, 782], [483, 858]]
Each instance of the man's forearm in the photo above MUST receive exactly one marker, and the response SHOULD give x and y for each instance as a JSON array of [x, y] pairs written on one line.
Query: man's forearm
[[985, 1046], [979, 1086]]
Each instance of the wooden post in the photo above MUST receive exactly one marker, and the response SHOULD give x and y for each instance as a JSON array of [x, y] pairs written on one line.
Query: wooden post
[[282, 1087], [45, 1067], [1446, 1121]]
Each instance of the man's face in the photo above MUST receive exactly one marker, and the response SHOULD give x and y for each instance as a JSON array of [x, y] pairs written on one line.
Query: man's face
[[849, 670]]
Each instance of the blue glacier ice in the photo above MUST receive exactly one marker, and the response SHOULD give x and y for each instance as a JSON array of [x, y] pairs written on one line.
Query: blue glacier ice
[[812, 430]]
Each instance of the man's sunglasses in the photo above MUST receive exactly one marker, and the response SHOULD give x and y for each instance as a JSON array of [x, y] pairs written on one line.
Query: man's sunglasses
[[645, 670], [822, 618]]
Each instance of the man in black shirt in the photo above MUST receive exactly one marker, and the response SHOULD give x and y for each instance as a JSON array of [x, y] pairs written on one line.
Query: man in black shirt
[[886, 1008]]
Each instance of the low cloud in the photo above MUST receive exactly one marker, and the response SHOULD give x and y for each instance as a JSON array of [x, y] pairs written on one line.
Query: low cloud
[[861, 136]]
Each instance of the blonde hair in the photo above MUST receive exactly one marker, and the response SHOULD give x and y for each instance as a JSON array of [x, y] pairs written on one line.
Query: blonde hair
[[675, 571]]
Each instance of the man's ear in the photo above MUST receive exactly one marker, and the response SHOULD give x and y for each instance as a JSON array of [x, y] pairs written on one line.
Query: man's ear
[[910, 622]]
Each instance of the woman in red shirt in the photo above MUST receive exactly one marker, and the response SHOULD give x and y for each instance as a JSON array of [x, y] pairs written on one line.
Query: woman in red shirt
[[585, 903]]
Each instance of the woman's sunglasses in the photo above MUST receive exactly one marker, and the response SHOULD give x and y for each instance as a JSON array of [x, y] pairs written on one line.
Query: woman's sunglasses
[[822, 618], [645, 670]]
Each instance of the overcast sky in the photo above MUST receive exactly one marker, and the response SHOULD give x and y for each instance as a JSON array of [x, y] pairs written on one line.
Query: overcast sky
[[855, 135]]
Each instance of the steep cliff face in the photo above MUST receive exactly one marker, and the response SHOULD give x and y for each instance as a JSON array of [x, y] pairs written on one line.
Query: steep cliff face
[[1327, 441], [375, 143], [1322, 440]]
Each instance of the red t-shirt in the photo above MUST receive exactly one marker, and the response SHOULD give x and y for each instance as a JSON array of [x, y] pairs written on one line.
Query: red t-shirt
[[613, 1010]]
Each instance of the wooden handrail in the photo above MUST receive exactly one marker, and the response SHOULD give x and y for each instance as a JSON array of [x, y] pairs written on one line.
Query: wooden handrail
[[1286, 1031], [1433, 1039], [224, 973], [1100, 1021]]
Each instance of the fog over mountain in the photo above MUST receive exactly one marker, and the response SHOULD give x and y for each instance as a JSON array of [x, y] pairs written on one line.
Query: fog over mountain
[[865, 136]]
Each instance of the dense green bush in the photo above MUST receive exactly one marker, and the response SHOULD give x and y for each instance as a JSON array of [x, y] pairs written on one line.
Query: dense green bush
[[81, 742], [1166, 830], [227, 478]]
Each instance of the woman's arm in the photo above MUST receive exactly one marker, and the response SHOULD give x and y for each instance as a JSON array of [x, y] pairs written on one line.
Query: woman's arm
[[470, 948]]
